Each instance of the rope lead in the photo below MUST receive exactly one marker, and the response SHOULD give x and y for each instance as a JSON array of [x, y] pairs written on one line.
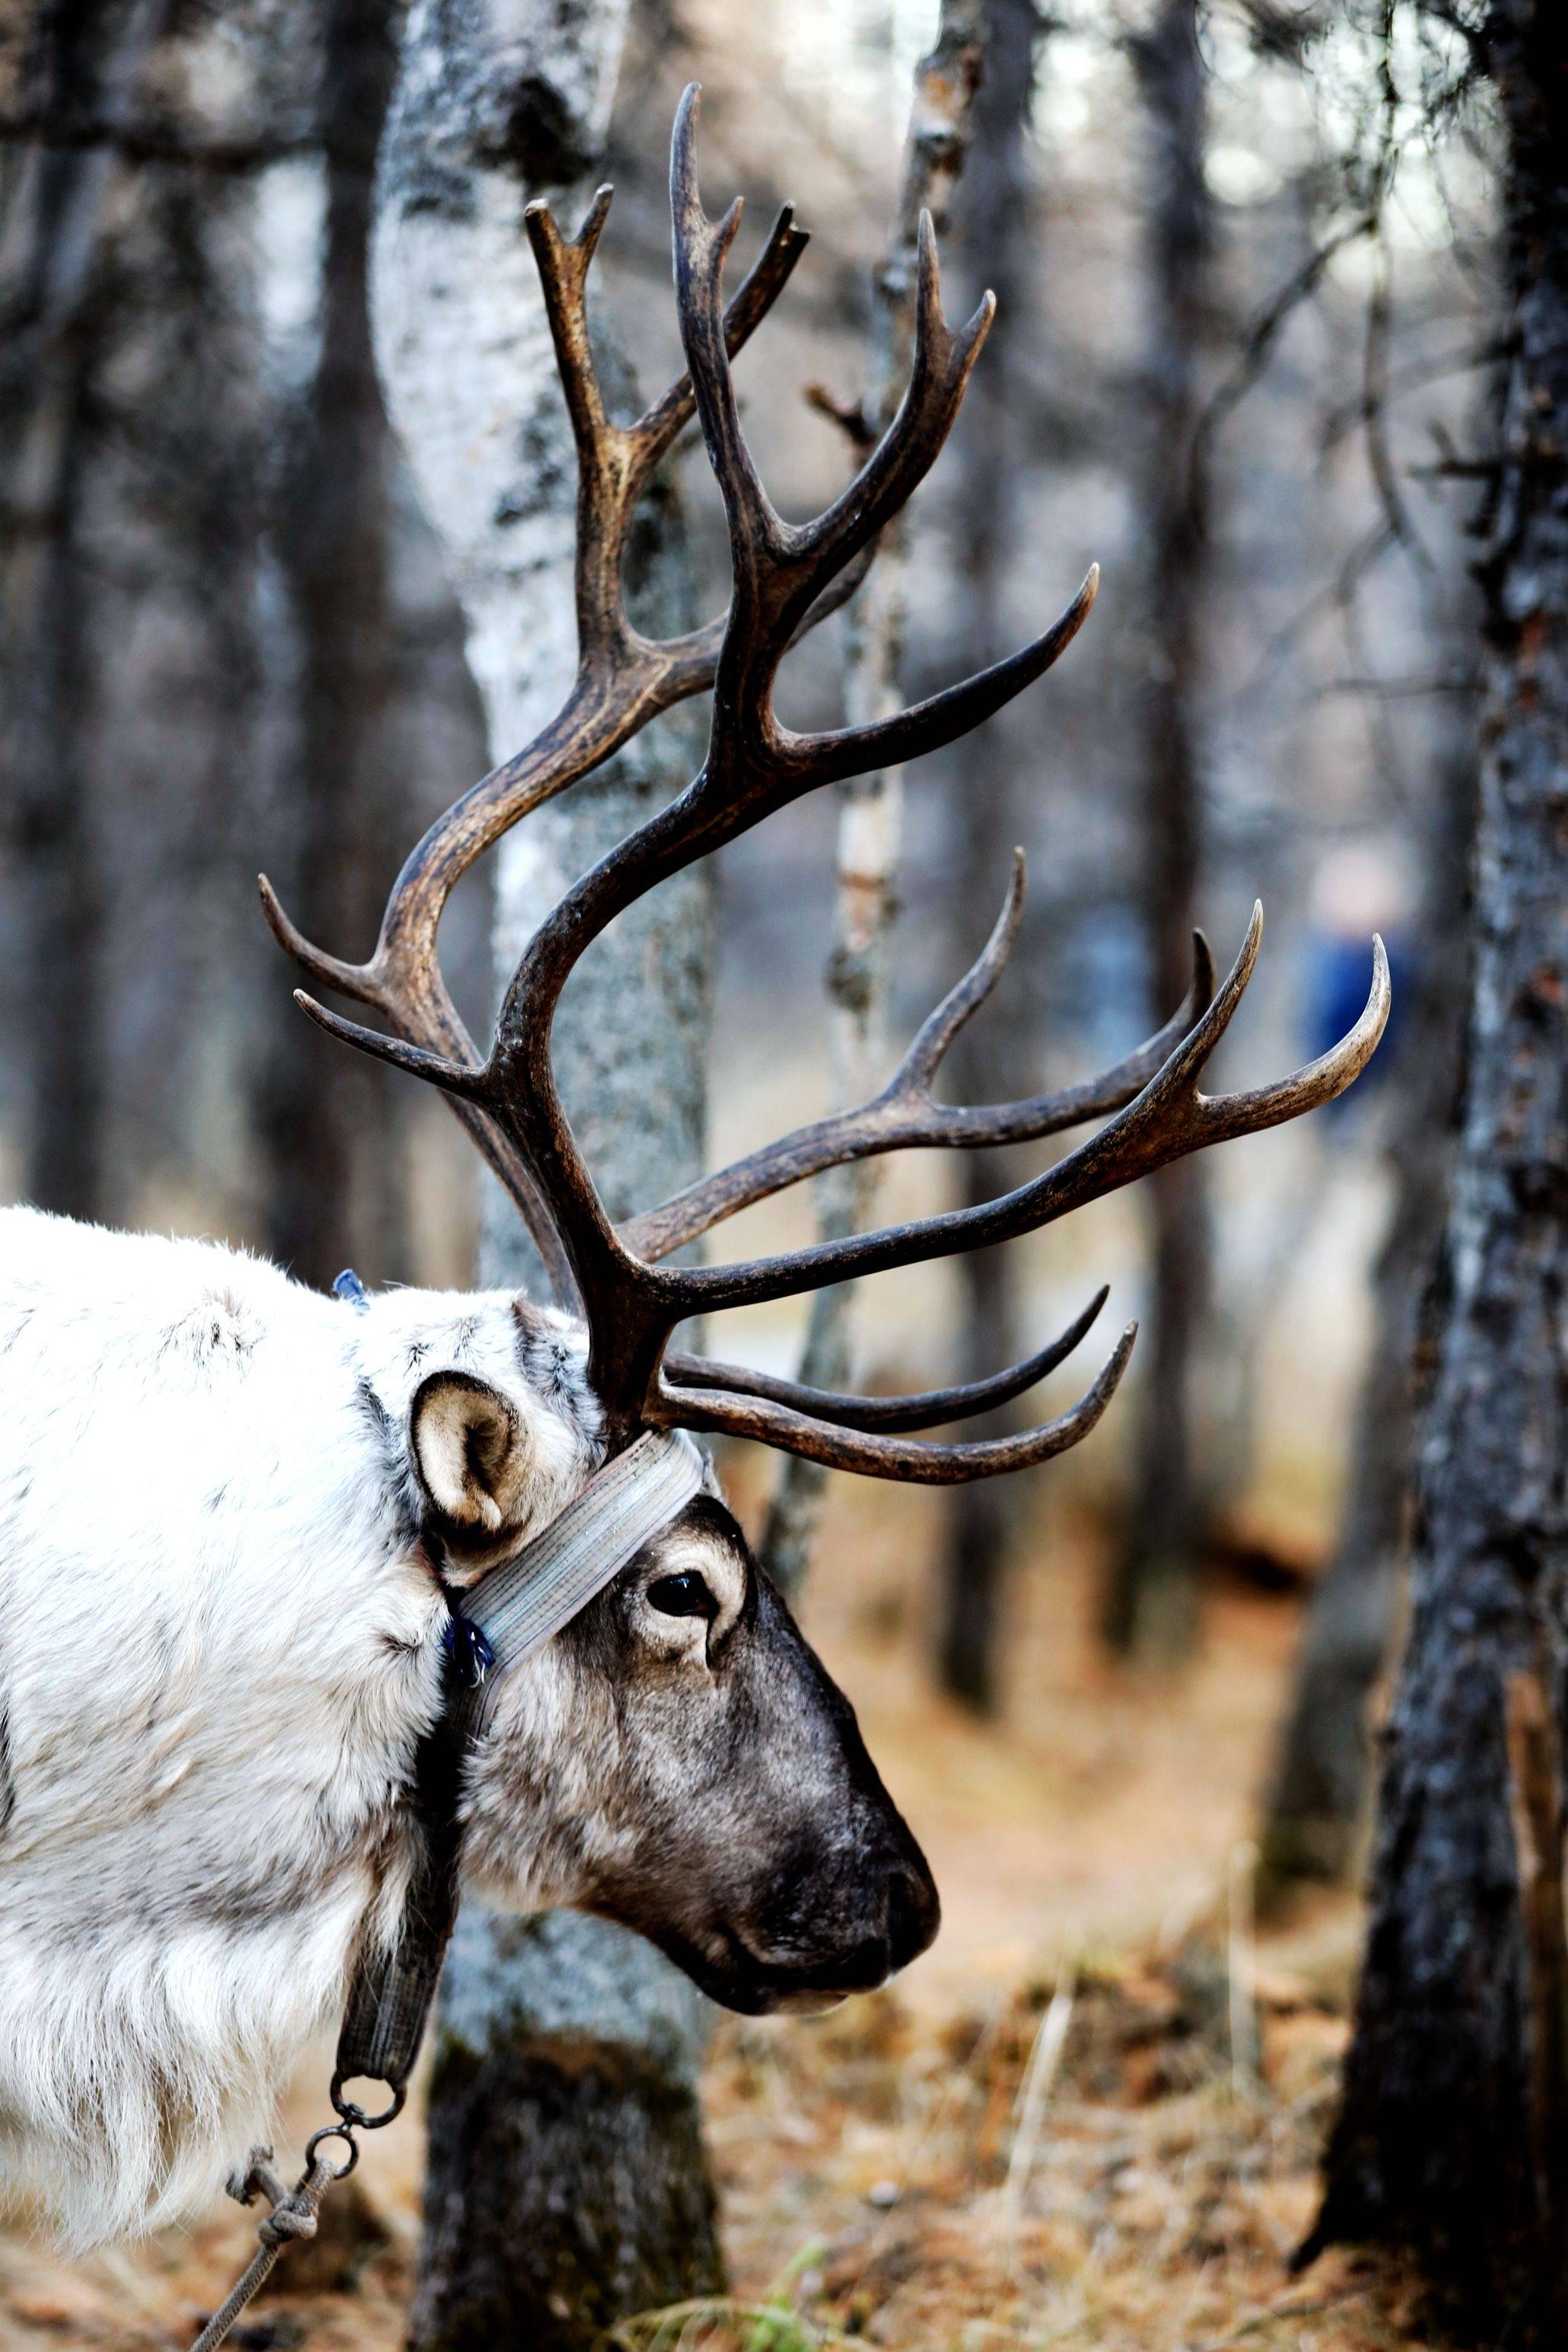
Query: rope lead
[[294, 2214]]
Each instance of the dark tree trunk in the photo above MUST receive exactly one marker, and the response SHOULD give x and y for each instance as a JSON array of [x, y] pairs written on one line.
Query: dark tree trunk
[[53, 307], [996, 246], [1316, 1811], [985, 1513], [330, 1124], [567, 2185], [1151, 1604], [1450, 2142], [131, 447], [53, 835]]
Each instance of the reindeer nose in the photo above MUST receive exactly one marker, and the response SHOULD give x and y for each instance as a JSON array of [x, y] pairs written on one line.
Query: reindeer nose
[[914, 1914]]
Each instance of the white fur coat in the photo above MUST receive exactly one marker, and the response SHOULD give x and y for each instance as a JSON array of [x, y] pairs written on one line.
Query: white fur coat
[[219, 1644]]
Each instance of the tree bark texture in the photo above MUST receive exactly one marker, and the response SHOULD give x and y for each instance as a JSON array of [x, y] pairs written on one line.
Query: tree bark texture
[[997, 245], [329, 1123], [870, 807], [567, 2185], [1437, 2147], [59, 314], [1316, 1810], [1151, 1604], [566, 2180]]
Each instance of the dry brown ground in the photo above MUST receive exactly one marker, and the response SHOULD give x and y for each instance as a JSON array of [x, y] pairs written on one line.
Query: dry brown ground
[[890, 2175]]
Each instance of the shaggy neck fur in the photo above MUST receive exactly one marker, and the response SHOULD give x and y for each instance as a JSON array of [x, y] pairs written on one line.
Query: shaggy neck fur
[[219, 1647]]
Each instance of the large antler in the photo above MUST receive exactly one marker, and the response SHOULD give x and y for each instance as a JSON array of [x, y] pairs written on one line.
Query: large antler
[[906, 1114], [783, 573], [622, 680]]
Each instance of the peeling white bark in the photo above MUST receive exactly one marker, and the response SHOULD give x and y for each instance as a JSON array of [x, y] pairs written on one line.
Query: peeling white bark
[[499, 102], [871, 810], [487, 88]]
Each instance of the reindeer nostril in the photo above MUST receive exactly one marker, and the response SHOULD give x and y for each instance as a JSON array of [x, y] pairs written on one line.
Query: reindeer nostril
[[912, 1915]]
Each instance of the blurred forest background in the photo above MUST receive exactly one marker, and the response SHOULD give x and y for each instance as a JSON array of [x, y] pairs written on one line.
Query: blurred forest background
[[1249, 347]]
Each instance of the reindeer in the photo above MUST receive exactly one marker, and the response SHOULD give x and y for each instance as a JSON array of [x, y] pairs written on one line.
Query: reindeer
[[241, 1523]]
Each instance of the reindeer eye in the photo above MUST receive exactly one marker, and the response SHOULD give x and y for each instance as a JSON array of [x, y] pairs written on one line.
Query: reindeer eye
[[683, 1596]]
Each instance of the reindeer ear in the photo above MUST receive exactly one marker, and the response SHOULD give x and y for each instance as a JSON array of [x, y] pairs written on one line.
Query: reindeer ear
[[471, 1450]]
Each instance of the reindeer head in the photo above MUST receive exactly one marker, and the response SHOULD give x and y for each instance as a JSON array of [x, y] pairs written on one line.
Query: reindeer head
[[656, 1701], [678, 1759], [675, 1757]]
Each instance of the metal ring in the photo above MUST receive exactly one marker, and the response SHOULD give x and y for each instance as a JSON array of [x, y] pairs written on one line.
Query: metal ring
[[342, 2131], [353, 2114]]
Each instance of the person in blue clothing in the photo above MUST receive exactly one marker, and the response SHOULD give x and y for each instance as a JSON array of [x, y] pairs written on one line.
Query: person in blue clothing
[[1358, 888]]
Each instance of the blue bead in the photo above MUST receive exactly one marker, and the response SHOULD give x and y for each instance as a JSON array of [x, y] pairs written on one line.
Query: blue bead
[[469, 1650]]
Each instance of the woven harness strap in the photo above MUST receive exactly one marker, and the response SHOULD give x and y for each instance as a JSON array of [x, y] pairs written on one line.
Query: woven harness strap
[[518, 1607]]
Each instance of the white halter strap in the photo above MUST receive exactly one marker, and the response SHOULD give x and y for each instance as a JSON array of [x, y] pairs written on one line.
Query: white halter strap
[[518, 1606]]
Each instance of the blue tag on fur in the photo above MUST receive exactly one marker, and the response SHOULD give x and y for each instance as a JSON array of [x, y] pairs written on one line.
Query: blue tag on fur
[[470, 1652], [348, 1285]]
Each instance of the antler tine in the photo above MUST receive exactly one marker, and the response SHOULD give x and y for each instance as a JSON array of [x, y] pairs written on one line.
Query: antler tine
[[353, 980], [781, 568], [943, 361], [1018, 1122], [964, 1000], [1254, 1109], [563, 263], [879, 1457], [749, 305], [757, 533], [1168, 1119], [1044, 1114], [942, 717], [462, 1079], [924, 1409], [904, 1116], [616, 460], [470, 1082]]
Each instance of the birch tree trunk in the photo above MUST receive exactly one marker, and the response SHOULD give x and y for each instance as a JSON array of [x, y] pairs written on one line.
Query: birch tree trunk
[[870, 807], [567, 2184], [997, 245], [1451, 2141], [1151, 1605]]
